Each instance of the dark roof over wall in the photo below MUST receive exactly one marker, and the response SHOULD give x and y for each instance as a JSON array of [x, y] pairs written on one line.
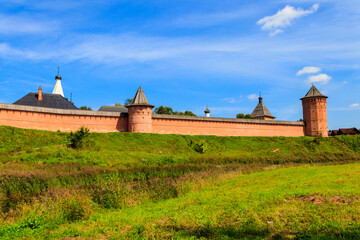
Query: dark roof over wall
[[345, 131], [313, 92], [49, 101], [334, 132], [348, 131], [113, 109], [261, 111]]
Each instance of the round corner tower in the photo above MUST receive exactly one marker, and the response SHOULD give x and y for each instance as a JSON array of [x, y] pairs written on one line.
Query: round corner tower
[[140, 113], [314, 113]]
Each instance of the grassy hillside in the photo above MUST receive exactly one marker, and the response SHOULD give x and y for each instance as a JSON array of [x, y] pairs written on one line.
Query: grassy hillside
[[299, 202], [129, 150], [45, 185]]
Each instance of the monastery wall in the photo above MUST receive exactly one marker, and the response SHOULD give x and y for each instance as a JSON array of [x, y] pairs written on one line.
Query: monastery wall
[[60, 119], [67, 120], [168, 124]]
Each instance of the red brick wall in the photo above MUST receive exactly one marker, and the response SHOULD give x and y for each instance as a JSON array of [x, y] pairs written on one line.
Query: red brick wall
[[221, 128], [54, 122], [66, 120]]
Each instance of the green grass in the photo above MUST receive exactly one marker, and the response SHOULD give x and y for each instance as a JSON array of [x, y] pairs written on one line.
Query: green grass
[[127, 185], [129, 150], [302, 202]]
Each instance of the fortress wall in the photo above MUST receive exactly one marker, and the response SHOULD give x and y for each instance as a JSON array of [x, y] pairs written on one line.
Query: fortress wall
[[166, 124], [67, 120], [59, 119]]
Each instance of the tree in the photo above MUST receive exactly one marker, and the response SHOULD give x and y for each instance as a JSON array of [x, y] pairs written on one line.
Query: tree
[[127, 101], [243, 116], [240, 115], [248, 116], [170, 111], [178, 113], [85, 108], [189, 113], [118, 104], [164, 110]]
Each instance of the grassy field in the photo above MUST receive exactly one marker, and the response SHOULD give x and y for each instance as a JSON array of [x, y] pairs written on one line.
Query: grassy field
[[302, 202], [141, 186]]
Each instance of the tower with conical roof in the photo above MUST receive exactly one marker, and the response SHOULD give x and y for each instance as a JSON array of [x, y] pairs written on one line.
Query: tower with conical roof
[[140, 113], [314, 113], [261, 112], [58, 88]]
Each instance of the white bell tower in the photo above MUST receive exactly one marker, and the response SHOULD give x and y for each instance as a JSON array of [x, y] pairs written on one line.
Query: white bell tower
[[58, 88], [207, 112]]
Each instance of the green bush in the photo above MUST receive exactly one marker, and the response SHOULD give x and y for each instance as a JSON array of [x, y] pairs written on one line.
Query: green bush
[[200, 147], [77, 138]]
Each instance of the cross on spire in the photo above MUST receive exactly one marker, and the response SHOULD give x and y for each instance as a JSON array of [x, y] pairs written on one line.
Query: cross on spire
[[58, 70]]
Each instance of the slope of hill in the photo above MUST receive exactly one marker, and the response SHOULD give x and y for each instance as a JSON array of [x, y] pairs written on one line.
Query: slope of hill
[[129, 150], [45, 185]]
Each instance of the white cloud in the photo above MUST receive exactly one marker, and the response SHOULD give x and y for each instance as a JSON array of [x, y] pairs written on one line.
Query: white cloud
[[232, 99], [307, 70], [22, 24], [252, 96], [216, 55], [320, 78], [229, 100], [351, 107], [284, 18], [276, 32], [324, 92]]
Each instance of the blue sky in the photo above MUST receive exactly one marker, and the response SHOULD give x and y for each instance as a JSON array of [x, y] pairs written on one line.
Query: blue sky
[[186, 53]]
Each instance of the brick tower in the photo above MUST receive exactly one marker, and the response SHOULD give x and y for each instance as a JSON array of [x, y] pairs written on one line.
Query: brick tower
[[314, 113], [140, 111]]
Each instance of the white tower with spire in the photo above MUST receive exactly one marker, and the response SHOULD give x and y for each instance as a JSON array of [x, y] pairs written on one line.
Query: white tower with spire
[[207, 111], [58, 88]]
